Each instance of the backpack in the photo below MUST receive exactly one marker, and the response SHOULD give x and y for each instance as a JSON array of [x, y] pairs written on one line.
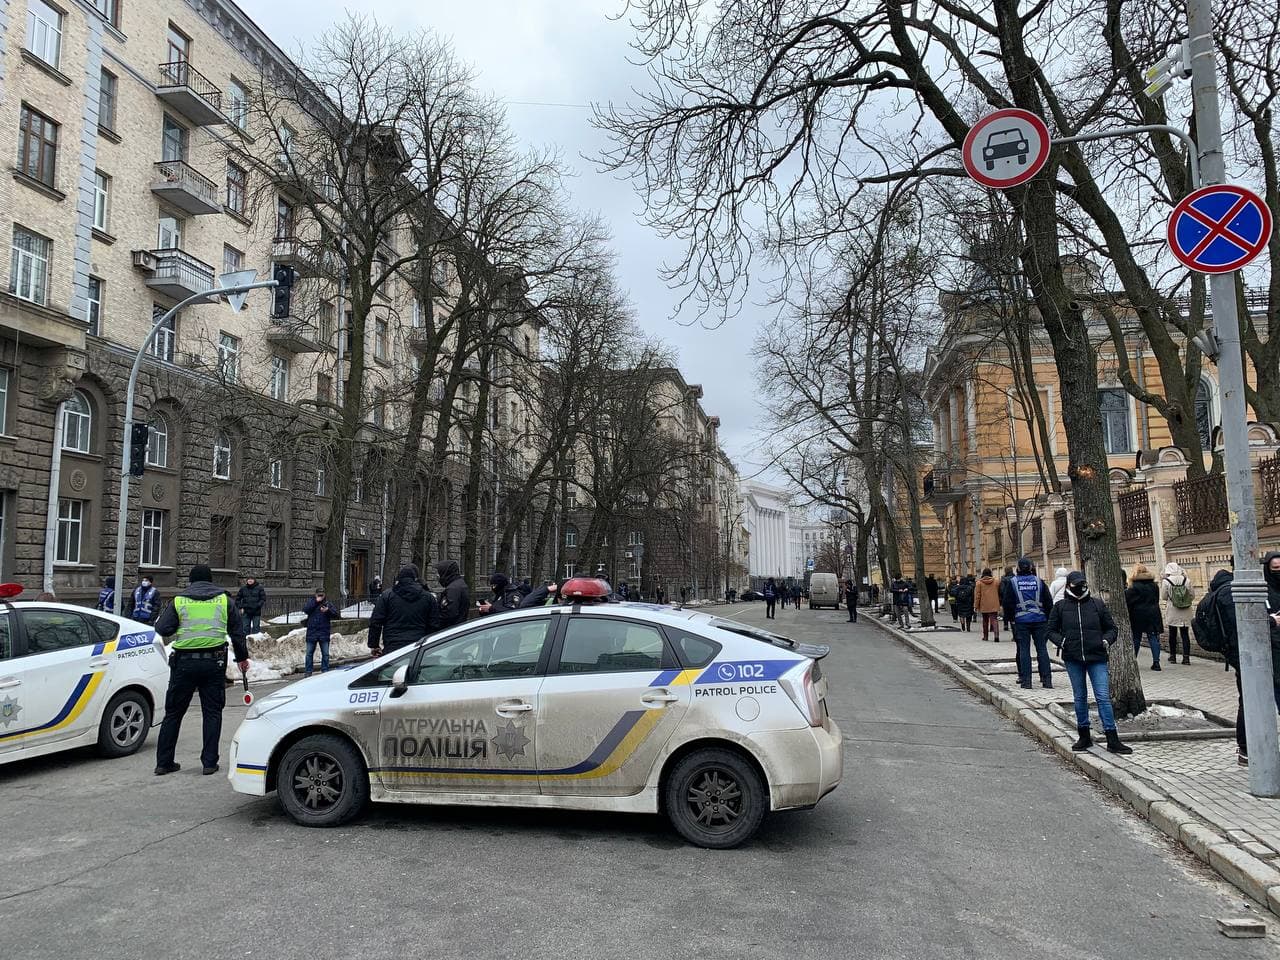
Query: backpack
[[1207, 624], [1180, 594]]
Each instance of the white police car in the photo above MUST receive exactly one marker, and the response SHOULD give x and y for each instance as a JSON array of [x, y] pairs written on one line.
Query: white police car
[[620, 707], [71, 677]]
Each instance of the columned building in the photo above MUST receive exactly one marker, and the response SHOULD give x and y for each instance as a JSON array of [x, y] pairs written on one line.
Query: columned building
[[768, 522]]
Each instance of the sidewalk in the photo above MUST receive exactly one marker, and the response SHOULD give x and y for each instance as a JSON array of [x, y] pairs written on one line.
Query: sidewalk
[[1192, 790]]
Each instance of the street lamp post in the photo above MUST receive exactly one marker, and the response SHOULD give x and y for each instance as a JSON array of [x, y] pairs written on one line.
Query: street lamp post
[[122, 522], [1249, 591]]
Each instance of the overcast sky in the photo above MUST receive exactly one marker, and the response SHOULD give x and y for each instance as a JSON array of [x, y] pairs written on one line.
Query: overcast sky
[[549, 59]]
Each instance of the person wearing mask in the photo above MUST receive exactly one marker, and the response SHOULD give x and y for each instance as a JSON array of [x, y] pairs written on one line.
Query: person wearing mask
[[250, 599], [1059, 584], [107, 596], [455, 597], [375, 588], [1143, 600], [1082, 630], [505, 595], [1026, 605], [770, 598], [543, 596], [901, 591], [986, 601], [965, 593], [199, 620], [1179, 604], [320, 613], [146, 600], [851, 600], [403, 615]]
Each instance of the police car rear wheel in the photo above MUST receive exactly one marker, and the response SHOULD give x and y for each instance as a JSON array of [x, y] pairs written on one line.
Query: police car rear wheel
[[322, 781], [715, 798], [124, 724]]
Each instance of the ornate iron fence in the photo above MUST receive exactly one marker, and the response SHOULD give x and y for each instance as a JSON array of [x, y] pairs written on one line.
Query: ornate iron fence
[[1037, 533], [1269, 493], [1060, 530], [1135, 515], [1202, 505]]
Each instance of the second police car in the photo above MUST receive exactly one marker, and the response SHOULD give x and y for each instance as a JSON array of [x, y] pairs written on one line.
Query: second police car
[[619, 707], [71, 677]]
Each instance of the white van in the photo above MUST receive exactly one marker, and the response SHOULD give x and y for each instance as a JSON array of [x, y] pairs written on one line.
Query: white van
[[824, 591]]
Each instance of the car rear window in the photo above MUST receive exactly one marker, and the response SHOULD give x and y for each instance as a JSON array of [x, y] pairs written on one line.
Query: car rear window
[[102, 628], [693, 650]]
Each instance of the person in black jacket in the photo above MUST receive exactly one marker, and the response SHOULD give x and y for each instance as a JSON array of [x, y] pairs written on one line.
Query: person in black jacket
[[964, 602], [1143, 601], [851, 600], [455, 598], [320, 613], [403, 615], [1082, 629], [506, 595], [250, 599]]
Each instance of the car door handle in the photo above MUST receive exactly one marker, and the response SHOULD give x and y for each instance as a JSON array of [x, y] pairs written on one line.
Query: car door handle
[[99, 662], [659, 697], [513, 706], [8, 683]]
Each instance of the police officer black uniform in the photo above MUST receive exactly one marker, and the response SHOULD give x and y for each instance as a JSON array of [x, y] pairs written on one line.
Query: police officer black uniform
[[200, 619]]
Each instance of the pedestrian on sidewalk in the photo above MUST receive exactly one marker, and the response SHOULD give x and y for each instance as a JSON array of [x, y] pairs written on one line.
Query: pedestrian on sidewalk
[[952, 584], [250, 599], [146, 600], [107, 596], [1179, 604], [1027, 604], [901, 592], [986, 601], [770, 599], [851, 601], [1059, 585], [1004, 585], [320, 613], [964, 602], [795, 595], [1143, 600], [1082, 630], [931, 591]]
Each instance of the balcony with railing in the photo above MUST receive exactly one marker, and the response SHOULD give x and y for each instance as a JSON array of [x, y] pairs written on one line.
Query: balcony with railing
[[939, 487], [1269, 491], [189, 92], [1202, 505], [294, 334], [183, 187], [1135, 515], [173, 272]]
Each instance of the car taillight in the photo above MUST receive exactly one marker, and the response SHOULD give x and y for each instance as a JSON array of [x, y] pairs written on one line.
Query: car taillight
[[804, 692]]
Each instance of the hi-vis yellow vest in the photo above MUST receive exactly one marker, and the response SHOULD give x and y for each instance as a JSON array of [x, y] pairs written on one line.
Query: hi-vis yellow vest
[[201, 623]]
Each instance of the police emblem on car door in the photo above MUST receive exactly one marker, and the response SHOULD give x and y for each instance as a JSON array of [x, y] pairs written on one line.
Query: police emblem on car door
[[465, 723]]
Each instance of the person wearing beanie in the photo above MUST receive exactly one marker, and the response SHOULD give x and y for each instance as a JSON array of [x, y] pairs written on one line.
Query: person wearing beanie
[[506, 595], [402, 615], [199, 620], [1082, 630], [1027, 602], [107, 596]]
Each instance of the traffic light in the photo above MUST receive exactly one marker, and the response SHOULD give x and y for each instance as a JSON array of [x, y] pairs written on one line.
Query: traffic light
[[284, 276], [138, 448]]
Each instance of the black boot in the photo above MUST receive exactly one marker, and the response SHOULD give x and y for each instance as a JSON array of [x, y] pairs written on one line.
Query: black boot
[[1155, 665], [1085, 741], [1114, 745]]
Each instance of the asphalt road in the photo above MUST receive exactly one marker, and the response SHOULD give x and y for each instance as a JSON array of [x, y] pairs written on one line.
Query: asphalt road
[[952, 836]]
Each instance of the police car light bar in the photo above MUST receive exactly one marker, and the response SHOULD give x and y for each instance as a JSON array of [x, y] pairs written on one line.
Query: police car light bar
[[10, 590], [584, 588]]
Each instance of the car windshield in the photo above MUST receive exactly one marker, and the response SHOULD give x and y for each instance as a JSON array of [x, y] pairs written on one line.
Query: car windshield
[[1002, 135]]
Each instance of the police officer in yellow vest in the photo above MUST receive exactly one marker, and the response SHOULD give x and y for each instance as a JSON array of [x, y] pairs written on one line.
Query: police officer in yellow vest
[[199, 620]]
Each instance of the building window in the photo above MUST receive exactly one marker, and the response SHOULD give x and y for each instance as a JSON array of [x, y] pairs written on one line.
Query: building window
[[634, 538], [169, 232], [44, 31], [221, 548], [77, 423], [37, 145], [571, 499], [317, 550], [4, 398], [93, 312], [357, 490], [379, 407], [222, 456], [237, 104], [232, 259], [237, 187], [284, 219], [158, 444], [1204, 413], [284, 137], [275, 545], [101, 199], [275, 470], [417, 314], [380, 338], [570, 536], [322, 480], [173, 140], [163, 343], [107, 100], [327, 311], [1114, 405], [179, 46], [109, 9], [569, 569], [153, 524], [229, 357], [70, 530], [279, 378], [324, 387]]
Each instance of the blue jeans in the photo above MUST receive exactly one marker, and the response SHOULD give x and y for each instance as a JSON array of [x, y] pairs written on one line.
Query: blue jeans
[[1099, 676], [1153, 641], [311, 653], [1023, 634], [252, 621]]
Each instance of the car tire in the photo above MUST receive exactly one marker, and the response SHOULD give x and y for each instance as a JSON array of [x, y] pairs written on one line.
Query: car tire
[[123, 728], [322, 781], [696, 793]]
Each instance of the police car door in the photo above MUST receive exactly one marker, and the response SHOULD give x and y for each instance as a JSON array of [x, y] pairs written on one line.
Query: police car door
[[608, 706], [61, 676], [465, 724]]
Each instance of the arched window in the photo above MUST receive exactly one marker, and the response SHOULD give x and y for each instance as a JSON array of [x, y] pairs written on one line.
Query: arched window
[[222, 455], [1114, 406], [1204, 413], [570, 536], [158, 443], [77, 423]]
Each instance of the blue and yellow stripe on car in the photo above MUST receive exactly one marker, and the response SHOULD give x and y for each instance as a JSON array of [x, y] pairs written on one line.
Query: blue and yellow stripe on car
[[675, 678], [108, 647], [252, 769], [84, 690]]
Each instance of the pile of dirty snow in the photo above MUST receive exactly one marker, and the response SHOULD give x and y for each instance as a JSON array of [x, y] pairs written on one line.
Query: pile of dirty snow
[[361, 610], [271, 658]]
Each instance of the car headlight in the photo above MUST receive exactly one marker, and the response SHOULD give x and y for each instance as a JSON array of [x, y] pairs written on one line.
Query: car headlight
[[259, 707]]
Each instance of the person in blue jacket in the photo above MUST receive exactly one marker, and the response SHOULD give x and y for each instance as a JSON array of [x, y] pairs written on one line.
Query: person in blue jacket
[[319, 612], [146, 600], [1027, 602]]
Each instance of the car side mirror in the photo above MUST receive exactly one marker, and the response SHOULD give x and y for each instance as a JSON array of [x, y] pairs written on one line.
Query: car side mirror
[[400, 681]]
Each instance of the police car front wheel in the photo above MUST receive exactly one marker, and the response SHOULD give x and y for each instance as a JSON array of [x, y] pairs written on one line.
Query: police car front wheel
[[715, 798], [124, 724], [322, 781]]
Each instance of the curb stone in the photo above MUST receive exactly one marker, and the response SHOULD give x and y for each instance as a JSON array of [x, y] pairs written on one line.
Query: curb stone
[[1251, 875]]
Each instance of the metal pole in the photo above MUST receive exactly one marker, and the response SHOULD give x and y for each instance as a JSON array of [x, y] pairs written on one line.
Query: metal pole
[[122, 518], [1145, 128], [1249, 590]]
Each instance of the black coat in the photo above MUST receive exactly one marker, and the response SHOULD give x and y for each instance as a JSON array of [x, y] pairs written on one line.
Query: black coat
[[318, 619], [931, 588], [1082, 629], [403, 615], [251, 599], [964, 599], [455, 598], [1143, 600]]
